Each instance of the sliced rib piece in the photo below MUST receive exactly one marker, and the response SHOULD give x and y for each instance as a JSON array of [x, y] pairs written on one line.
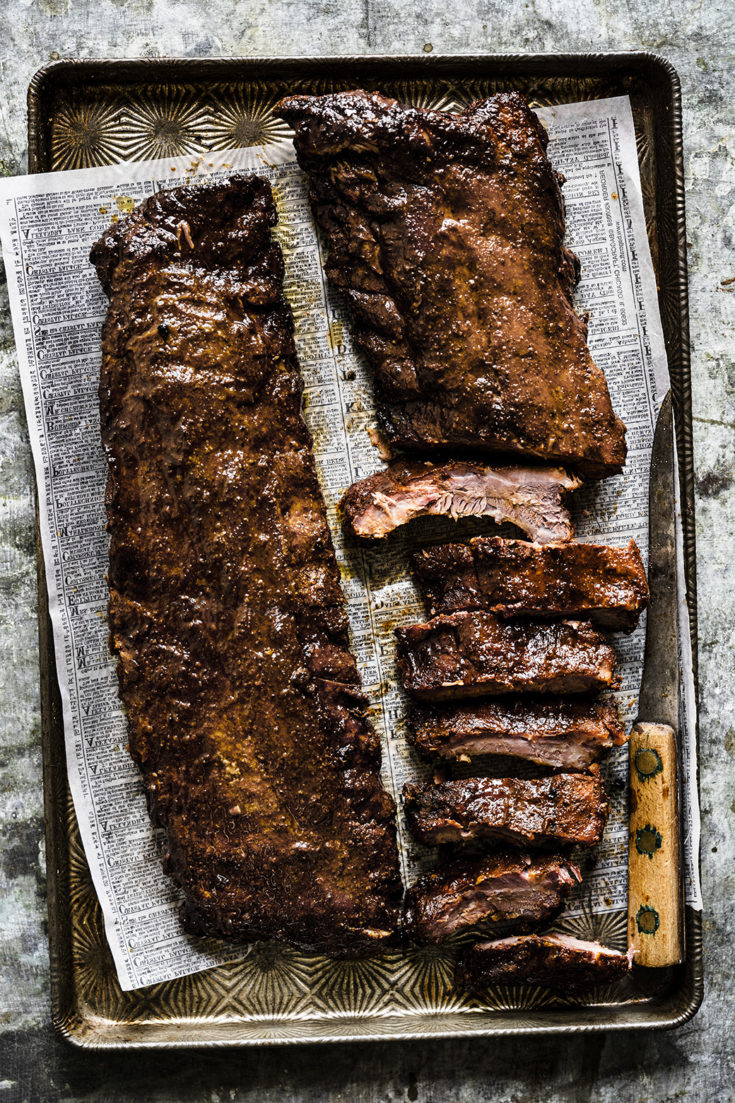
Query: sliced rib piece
[[529, 891], [532, 498], [445, 234], [565, 808], [568, 735], [469, 654], [515, 578], [244, 703], [556, 961]]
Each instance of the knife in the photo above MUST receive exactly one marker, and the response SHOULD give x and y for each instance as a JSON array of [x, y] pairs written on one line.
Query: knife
[[654, 879]]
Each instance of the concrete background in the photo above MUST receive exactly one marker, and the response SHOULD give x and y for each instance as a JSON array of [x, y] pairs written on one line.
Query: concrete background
[[697, 1061]]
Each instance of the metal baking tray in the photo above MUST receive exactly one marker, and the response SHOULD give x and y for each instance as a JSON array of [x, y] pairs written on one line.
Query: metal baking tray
[[83, 113]]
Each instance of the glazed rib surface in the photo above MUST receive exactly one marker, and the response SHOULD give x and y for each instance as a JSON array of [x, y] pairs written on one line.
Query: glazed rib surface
[[570, 735], [514, 578], [245, 709], [445, 233], [564, 809], [520, 890], [477, 654]]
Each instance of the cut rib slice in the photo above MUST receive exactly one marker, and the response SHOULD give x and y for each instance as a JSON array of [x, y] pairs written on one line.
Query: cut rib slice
[[514, 578], [566, 808], [558, 962], [569, 735], [470, 654], [531, 498], [527, 891], [445, 234]]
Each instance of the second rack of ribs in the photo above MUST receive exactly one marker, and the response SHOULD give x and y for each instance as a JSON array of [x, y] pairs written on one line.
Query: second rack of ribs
[[445, 234]]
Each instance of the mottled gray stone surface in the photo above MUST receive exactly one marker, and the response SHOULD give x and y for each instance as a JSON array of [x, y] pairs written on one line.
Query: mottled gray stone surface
[[696, 1062]]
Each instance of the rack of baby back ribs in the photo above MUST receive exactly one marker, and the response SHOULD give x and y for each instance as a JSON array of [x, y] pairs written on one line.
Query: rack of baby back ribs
[[445, 235]]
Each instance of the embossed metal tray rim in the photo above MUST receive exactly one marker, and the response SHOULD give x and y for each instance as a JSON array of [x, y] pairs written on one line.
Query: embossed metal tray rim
[[651, 79]]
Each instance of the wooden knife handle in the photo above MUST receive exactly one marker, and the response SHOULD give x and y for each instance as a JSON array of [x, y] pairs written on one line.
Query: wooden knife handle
[[654, 880]]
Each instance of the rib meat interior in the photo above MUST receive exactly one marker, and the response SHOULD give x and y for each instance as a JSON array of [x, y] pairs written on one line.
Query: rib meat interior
[[534, 499], [521, 891], [564, 964]]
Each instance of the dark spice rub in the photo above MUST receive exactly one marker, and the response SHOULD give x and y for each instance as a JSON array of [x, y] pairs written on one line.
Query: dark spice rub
[[245, 710], [514, 578], [556, 961], [568, 735], [523, 892], [445, 233], [563, 809], [532, 498], [473, 654]]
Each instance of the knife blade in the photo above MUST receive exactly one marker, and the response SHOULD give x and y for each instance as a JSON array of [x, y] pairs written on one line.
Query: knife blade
[[659, 695], [654, 878]]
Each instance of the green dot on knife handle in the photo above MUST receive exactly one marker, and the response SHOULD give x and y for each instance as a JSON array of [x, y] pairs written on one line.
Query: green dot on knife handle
[[648, 840], [647, 920], [648, 763]]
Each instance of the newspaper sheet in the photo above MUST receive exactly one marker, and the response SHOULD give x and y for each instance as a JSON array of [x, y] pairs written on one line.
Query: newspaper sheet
[[47, 224]]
